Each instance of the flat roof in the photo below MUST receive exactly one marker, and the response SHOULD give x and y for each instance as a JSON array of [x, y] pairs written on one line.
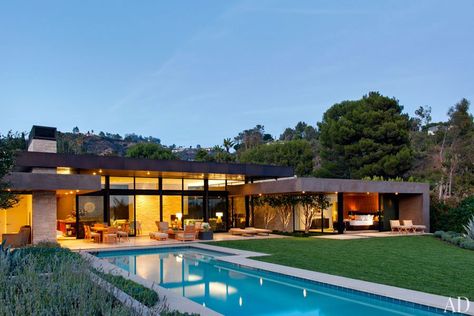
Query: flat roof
[[322, 185], [26, 160]]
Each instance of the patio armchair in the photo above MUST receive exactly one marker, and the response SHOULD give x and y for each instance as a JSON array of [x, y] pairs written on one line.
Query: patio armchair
[[90, 235], [188, 234], [110, 235], [123, 231], [162, 233], [20, 239]]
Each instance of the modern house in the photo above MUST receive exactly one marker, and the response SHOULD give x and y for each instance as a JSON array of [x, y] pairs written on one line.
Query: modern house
[[59, 193]]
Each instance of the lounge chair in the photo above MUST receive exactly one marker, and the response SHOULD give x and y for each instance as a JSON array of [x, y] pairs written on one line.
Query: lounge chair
[[20, 239], [260, 231], [410, 227], [188, 234], [90, 235], [247, 232], [395, 226]]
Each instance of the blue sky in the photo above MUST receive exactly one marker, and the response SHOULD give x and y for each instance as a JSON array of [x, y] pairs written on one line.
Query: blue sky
[[194, 72]]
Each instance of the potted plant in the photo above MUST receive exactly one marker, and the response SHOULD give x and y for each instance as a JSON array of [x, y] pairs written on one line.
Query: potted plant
[[206, 232]]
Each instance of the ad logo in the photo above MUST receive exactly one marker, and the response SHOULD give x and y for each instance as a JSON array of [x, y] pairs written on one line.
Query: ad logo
[[460, 304]]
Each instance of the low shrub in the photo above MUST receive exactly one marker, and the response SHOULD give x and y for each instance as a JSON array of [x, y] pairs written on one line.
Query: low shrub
[[137, 291], [467, 243], [297, 233], [455, 238], [450, 217]]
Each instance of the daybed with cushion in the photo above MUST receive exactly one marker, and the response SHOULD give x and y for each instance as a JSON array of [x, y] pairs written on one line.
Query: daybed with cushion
[[361, 222]]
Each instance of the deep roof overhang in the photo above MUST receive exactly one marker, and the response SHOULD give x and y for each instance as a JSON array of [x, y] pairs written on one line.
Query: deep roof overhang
[[26, 181], [319, 185], [25, 161]]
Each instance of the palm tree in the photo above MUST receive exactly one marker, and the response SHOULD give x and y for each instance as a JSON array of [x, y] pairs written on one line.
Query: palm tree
[[228, 144]]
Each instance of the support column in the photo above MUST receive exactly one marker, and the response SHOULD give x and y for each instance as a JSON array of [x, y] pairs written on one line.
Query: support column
[[44, 216], [340, 213]]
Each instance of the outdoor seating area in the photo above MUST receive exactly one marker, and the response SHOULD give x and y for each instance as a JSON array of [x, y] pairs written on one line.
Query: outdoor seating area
[[102, 233], [191, 232], [406, 226]]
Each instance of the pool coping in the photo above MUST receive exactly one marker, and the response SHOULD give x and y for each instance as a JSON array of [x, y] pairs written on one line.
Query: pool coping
[[243, 258]]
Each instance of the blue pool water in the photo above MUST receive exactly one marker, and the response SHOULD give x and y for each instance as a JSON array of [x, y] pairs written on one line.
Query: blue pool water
[[233, 290]]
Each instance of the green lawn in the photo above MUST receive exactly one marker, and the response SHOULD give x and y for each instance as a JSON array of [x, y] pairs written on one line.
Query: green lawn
[[421, 263]]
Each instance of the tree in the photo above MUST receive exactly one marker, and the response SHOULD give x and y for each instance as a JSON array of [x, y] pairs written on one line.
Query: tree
[[228, 144], [251, 138], [150, 151], [8, 145], [268, 213], [366, 137], [202, 155], [308, 203], [456, 153], [296, 153], [424, 115], [301, 131], [75, 130], [283, 205]]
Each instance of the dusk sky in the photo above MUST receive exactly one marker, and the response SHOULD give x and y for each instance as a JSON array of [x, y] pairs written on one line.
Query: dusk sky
[[194, 72]]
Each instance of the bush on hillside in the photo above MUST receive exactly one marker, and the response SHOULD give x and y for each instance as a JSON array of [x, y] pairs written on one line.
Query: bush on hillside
[[451, 218]]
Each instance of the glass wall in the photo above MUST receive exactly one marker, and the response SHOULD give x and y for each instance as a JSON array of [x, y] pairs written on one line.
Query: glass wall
[[172, 184], [321, 221], [216, 185], [122, 212], [66, 214], [141, 210], [123, 183], [90, 211], [217, 212], [146, 183], [147, 208], [13, 218], [238, 212], [193, 184], [193, 209], [172, 207]]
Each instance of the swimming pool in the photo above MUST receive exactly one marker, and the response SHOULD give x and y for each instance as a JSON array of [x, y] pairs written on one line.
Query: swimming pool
[[234, 290]]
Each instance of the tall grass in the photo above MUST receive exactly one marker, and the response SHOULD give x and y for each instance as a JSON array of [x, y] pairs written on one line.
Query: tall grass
[[53, 281]]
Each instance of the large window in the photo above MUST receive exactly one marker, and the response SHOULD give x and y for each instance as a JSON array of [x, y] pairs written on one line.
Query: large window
[[90, 211], [13, 218], [122, 212], [171, 209], [216, 185], [217, 212], [172, 184], [146, 183], [124, 183], [147, 209], [193, 209], [193, 184], [238, 212]]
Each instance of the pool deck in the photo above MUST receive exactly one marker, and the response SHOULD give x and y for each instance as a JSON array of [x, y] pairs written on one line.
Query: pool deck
[[145, 241], [243, 258]]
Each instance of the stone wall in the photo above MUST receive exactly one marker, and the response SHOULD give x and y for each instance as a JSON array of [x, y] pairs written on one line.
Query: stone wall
[[43, 145], [44, 217]]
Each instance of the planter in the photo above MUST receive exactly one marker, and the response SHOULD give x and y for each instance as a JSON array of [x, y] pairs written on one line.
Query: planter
[[209, 235]]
